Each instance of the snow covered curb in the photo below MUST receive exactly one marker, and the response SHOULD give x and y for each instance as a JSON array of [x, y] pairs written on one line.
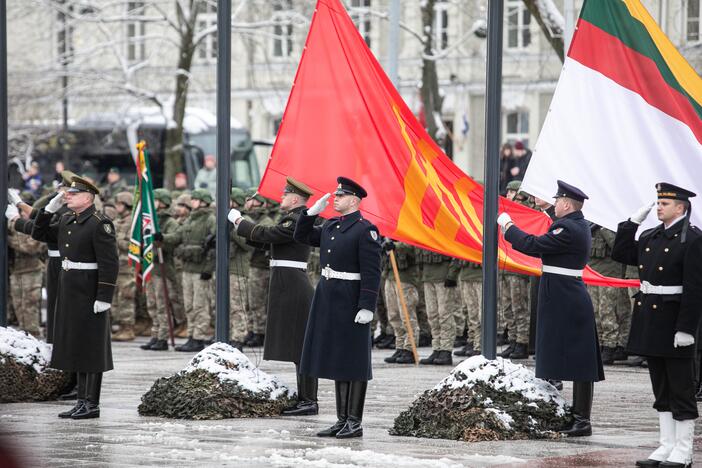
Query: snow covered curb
[[219, 382], [486, 400], [24, 371]]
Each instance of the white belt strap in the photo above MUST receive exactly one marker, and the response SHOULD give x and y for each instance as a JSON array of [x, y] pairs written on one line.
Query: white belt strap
[[561, 271], [328, 273], [288, 264], [54, 253], [69, 265], [648, 288]]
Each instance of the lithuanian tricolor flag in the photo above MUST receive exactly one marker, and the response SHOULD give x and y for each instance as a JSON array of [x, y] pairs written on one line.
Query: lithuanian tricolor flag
[[626, 114]]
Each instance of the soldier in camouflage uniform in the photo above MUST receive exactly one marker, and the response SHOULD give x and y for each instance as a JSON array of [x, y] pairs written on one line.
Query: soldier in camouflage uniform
[[239, 260], [155, 294], [439, 279], [611, 304], [405, 256], [470, 281], [514, 297], [123, 305], [181, 211], [192, 243], [26, 275], [259, 274]]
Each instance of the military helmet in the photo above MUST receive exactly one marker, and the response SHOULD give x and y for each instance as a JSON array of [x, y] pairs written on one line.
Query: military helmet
[[202, 195], [514, 185], [253, 193], [238, 196], [125, 197], [28, 197], [183, 200], [162, 195]]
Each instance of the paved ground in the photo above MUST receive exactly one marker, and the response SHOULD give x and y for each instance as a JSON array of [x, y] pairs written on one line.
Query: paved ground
[[625, 426]]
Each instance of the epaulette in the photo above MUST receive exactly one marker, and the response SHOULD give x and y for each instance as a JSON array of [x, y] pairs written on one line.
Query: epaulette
[[101, 216], [648, 232]]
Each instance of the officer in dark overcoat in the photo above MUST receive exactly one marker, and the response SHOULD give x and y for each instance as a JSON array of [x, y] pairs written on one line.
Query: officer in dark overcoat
[[290, 292], [338, 338], [566, 338], [89, 265], [666, 315]]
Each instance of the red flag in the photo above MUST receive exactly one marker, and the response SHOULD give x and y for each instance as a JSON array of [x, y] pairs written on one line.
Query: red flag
[[344, 117]]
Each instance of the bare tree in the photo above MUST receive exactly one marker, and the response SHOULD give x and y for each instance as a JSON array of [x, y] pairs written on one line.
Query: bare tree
[[550, 21]]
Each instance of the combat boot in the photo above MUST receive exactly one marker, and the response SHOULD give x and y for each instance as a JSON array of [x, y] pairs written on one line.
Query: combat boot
[[187, 343], [342, 409], [256, 340], [620, 354], [444, 358], [356, 401], [381, 336], [520, 351], [607, 355], [160, 345], [431, 358], [149, 344], [393, 359], [125, 333], [192, 346], [509, 350], [407, 357], [387, 343], [501, 338], [467, 348]]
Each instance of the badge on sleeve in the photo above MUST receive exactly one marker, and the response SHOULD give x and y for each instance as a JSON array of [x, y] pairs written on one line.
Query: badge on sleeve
[[374, 235], [557, 231], [288, 223], [108, 228]]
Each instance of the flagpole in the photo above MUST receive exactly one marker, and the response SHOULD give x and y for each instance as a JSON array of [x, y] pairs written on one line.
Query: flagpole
[[405, 312], [493, 100], [3, 161], [167, 297]]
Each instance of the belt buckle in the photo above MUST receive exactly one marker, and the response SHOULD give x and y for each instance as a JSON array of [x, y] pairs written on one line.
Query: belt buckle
[[64, 265], [326, 272]]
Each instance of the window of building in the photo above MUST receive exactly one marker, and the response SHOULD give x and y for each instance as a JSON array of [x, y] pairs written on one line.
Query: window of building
[[693, 20], [518, 22], [207, 49], [362, 19], [441, 17], [283, 31], [136, 46], [517, 127]]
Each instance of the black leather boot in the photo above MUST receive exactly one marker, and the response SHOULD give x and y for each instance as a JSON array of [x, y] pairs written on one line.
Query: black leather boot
[[407, 357], [81, 394], [444, 358], [430, 359], [192, 346], [520, 351], [342, 409], [356, 401], [91, 408], [72, 394], [509, 350], [149, 344], [582, 406], [607, 354], [306, 397], [160, 345]]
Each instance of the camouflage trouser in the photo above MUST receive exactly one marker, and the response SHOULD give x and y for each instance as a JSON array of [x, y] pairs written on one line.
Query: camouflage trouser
[[237, 307], [196, 299], [422, 318], [123, 311], [461, 317], [156, 305], [441, 304], [514, 304], [26, 300], [177, 297], [259, 279], [396, 314], [472, 295], [380, 318], [611, 309]]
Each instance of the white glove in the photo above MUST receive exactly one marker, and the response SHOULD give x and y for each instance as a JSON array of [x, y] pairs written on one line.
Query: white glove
[[55, 203], [100, 306], [319, 205], [11, 212], [14, 197], [503, 220], [683, 339], [233, 215], [363, 316], [641, 214]]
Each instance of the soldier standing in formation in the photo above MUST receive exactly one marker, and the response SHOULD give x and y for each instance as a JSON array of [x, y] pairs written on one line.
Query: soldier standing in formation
[[666, 315], [190, 243], [239, 259], [181, 212], [123, 310], [290, 291], [471, 287], [338, 337], [88, 247], [566, 340]]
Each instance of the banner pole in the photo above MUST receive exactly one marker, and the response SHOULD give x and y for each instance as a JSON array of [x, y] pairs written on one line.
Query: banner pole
[[405, 312]]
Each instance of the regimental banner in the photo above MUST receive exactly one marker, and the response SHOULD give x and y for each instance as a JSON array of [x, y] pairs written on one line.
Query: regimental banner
[[144, 219], [345, 118], [626, 114]]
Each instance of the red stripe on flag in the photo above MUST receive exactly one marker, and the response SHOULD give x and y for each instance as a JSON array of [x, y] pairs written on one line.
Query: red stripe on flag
[[606, 54]]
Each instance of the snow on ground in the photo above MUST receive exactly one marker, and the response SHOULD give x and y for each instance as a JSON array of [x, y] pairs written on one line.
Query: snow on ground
[[24, 348], [230, 364], [503, 374]]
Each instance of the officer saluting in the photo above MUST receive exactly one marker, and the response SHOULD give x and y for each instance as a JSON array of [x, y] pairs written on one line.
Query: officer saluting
[[290, 291], [666, 315], [338, 338], [566, 335], [88, 248]]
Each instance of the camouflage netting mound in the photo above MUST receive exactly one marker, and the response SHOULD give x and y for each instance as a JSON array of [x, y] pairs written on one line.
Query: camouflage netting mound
[[24, 375], [219, 382], [486, 400]]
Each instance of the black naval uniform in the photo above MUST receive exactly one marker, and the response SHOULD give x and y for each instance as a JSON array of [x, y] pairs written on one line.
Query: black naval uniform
[[336, 347], [81, 336], [567, 346], [289, 298]]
